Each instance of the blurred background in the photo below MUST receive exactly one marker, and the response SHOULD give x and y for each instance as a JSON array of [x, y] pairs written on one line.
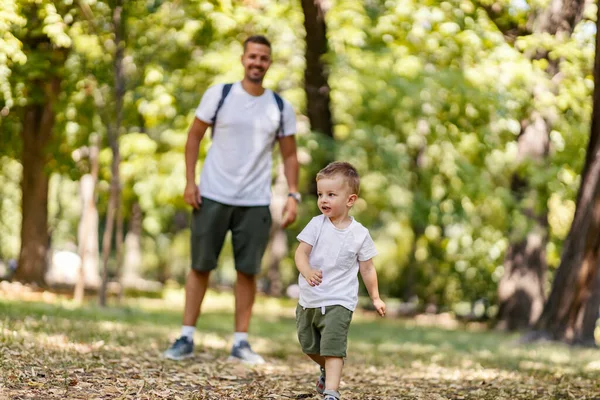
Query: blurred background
[[468, 121]]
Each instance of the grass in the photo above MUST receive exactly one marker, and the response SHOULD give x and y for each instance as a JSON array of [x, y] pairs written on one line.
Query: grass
[[54, 350]]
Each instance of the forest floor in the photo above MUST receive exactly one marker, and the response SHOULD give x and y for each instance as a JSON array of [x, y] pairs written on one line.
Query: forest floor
[[52, 349]]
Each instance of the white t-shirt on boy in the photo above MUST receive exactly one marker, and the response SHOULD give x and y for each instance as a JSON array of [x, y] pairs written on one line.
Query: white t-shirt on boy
[[336, 252]]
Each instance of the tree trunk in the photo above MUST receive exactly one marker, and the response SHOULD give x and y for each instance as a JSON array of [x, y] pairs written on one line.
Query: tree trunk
[[38, 124], [133, 248], [278, 247], [521, 289], [113, 138], [572, 309], [119, 250], [316, 74], [520, 292], [88, 228]]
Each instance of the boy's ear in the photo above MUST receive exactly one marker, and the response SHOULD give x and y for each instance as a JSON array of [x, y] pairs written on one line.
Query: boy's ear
[[351, 200]]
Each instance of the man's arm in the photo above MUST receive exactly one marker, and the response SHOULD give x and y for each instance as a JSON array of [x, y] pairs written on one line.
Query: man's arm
[[287, 146], [191, 195]]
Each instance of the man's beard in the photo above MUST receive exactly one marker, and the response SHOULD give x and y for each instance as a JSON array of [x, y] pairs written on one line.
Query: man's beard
[[256, 80]]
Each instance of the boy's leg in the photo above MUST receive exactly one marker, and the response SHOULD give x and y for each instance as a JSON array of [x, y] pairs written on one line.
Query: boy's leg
[[334, 323], [320, 385], [333, 369], [318, 359]]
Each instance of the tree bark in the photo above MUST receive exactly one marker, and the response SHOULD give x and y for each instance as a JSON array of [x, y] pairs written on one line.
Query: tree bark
[[521, 289], [113, 138], [133, 247], [38, 123], [88, 228], [278, 247], [572, 309], [316, 74]]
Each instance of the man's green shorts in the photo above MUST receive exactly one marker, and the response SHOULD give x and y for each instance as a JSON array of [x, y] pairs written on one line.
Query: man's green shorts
[[249, 228], [324, 334]]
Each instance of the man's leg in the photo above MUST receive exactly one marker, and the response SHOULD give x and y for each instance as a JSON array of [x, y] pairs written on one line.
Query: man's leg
[[195, 289], [209, 228], [250, 234], [245, 293]]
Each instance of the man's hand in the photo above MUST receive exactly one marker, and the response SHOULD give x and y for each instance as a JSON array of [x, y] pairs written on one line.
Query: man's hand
[[191, 195], [314, 277], [379, 306], [289, 212]]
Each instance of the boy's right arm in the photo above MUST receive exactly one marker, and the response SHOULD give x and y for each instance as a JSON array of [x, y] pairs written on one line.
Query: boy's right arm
[[191, 195], [314, 277]]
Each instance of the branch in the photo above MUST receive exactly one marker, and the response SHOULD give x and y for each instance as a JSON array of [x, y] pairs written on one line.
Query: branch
[[509, 28]]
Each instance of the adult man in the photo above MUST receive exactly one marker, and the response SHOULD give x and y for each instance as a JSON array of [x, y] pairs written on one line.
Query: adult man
[[235, 190]]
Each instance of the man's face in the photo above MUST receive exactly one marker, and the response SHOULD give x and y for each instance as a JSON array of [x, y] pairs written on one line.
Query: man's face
[[256, 61]]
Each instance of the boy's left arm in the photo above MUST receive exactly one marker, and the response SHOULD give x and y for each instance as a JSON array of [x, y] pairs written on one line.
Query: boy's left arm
[[369, 276]]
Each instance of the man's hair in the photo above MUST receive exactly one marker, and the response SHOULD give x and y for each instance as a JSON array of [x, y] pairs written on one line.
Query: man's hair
[[259, 39], [346, 170]]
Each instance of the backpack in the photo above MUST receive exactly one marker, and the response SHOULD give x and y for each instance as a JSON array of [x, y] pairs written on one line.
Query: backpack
[[225, 92]]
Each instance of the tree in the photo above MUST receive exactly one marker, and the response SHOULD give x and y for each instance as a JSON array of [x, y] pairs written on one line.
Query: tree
[[47, 46], [521, 289], [88, 227], [315, 75], [113, 212], [571, 312]]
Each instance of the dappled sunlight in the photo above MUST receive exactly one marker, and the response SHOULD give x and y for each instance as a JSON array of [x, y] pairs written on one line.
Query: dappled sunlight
[[109, 350]]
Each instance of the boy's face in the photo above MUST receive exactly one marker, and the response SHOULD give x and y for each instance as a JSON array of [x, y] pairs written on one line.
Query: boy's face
[[256, 61], [334, 196]]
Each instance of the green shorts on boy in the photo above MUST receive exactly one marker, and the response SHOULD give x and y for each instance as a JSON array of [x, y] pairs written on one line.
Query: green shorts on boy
[[333, 248]]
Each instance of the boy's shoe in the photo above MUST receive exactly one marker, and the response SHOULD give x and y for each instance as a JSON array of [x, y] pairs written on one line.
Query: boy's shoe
[[331, 395], [321, 381], [181, 349], [244, 353]]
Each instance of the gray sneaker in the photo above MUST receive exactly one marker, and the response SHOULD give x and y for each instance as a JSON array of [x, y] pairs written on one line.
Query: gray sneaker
[[321, 381], [182, 348], [244, 353], [331, 395]]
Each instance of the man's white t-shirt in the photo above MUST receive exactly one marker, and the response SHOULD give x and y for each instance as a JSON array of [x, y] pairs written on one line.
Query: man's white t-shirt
[[336, 252], [237, 169]]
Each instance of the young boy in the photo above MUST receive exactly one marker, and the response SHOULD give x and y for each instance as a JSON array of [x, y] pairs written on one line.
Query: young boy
[[333, 248]]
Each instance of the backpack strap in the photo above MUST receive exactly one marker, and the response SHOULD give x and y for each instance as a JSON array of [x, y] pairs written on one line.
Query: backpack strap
[[279, 101], [224, 93]]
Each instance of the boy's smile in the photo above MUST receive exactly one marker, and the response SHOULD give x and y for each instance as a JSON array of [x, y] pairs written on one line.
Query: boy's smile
[[335, 198]]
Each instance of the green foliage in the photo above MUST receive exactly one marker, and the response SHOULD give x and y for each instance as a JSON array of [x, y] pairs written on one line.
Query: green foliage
[[427, 99]]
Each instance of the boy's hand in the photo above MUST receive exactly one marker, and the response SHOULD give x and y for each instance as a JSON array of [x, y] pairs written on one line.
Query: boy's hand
[[379, 306], [314, 277]]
